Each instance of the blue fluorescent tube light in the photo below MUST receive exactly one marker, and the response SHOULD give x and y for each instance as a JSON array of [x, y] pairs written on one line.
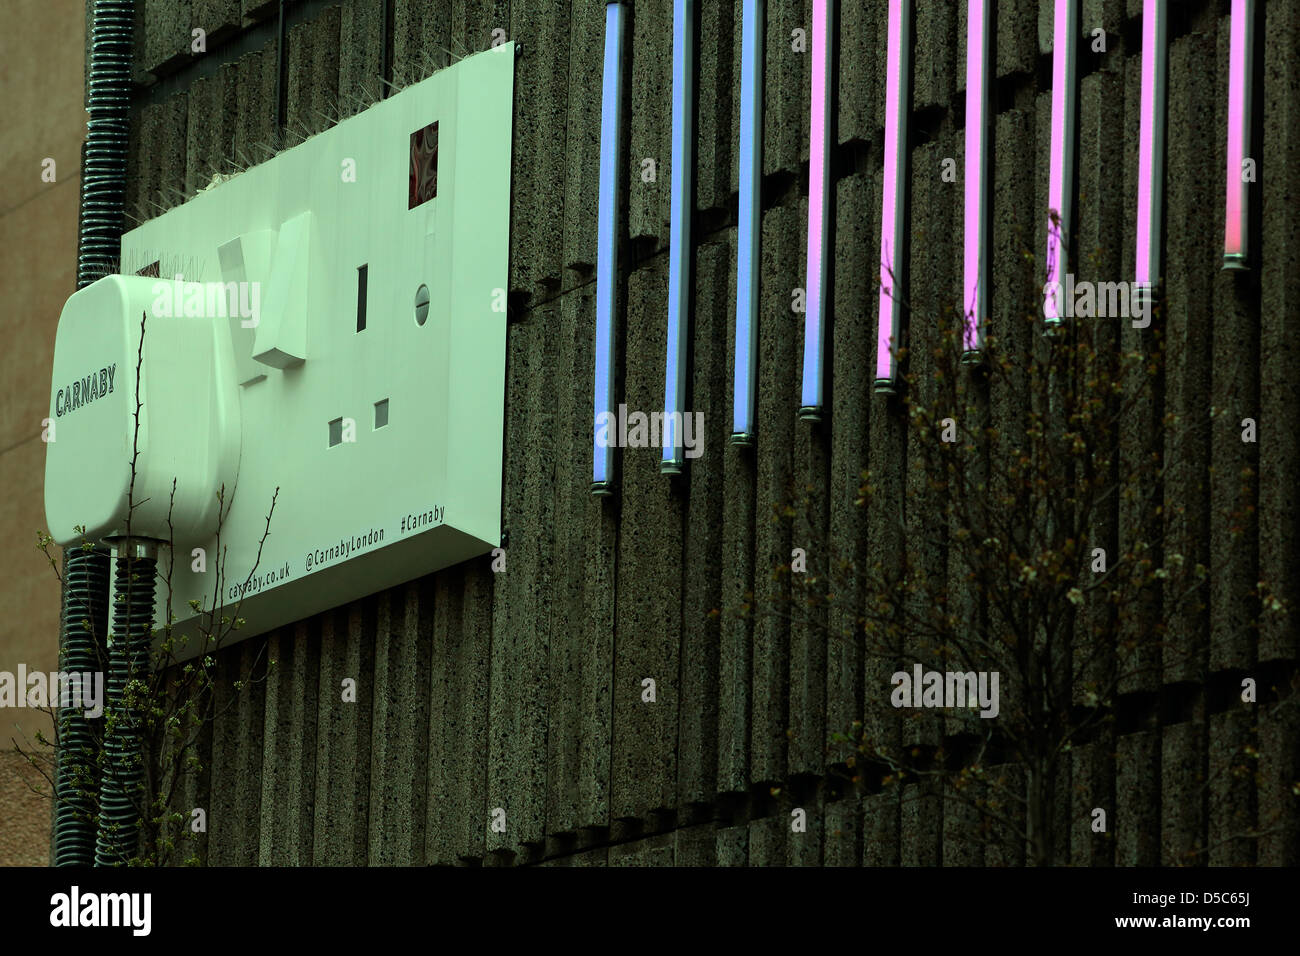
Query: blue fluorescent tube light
[[611, 165], [748, 224], [679, 250], [819, 189]]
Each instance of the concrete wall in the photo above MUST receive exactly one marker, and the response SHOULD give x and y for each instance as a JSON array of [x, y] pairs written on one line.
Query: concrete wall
[[41, 116], [522, 690]]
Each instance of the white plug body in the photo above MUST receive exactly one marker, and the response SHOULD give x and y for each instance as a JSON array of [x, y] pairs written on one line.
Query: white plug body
[[188, 417]]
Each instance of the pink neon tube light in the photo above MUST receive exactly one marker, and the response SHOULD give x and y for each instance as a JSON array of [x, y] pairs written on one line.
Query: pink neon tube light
[[888, 325], [1065, 41], [975, 271]]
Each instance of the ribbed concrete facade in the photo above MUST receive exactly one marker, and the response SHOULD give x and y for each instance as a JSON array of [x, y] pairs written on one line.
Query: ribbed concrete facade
[[522, 690]]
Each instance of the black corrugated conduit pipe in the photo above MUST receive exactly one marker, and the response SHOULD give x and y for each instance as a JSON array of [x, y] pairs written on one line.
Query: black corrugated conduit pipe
[[84, 623], [85, 580], [122, 788], [103, 176]]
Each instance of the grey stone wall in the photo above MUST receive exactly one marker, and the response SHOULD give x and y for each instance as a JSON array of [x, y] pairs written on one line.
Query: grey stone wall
[[522, 690]]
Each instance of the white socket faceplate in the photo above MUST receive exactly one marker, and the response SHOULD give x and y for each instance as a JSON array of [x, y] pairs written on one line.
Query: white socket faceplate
[[386, 443]]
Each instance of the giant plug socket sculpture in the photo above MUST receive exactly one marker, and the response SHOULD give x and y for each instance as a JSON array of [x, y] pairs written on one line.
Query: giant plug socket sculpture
[[328, 328]]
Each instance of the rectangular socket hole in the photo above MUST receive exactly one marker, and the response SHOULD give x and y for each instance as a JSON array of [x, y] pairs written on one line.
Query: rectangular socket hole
[[361, 297], [381, 413], [336, 432]]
